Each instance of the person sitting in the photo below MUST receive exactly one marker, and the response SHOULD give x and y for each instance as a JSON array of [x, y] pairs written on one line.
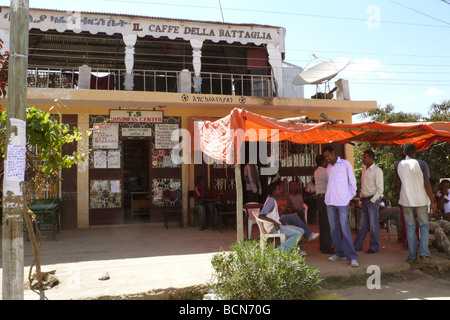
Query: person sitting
[[443, 200], [288, 213], [296, 200], [272, 222], [204, 201], [440, 229], [388, 213]]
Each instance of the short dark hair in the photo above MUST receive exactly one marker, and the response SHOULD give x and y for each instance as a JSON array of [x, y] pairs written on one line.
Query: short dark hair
[[272, 187], [319, 159], [409, 149], [370, 153], [327, 148], [446, 181]]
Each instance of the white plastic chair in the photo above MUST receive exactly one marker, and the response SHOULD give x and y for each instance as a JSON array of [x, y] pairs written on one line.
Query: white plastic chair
[[250, 218], [306, 213], [263, 235]]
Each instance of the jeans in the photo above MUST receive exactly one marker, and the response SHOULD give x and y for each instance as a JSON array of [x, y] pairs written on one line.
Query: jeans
[[338, 218], [369, 221], [422, 218], [293, 235], [200, 208], [294, 220], [324, 225]]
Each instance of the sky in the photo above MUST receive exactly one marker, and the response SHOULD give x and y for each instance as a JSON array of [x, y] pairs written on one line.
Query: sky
[[399, 50]]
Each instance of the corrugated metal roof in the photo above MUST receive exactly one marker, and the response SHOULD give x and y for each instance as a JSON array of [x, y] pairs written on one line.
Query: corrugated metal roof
[[159, 18]]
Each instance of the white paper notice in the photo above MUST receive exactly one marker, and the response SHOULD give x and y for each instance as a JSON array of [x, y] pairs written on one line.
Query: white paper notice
[[15, 166], [100, 159], [114, 159], [18, 132], [115, 186]]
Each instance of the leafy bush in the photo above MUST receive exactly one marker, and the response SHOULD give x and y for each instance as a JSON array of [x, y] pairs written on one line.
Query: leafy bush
[[249, 273]]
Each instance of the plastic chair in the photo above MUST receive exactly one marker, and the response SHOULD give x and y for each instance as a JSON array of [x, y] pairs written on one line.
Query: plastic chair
[[306, 212], [251, 220], [250, 207], [263, 235]]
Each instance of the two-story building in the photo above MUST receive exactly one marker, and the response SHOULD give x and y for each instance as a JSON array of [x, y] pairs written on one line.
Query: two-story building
[[133, 80]]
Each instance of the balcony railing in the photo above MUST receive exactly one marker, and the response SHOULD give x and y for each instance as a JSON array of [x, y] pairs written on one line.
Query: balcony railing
[[155, 81]]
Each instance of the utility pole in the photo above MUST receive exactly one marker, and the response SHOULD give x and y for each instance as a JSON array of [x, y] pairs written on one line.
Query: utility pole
[[15, 155]]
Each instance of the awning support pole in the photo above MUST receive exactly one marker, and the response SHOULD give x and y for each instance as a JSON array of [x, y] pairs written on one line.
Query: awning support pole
[[239, 203]]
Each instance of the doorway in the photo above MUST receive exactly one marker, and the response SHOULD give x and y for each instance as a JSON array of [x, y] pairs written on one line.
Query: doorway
[[136, 176]]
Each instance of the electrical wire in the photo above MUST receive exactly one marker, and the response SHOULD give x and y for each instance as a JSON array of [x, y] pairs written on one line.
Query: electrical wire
[[278, 12], [420, 12]]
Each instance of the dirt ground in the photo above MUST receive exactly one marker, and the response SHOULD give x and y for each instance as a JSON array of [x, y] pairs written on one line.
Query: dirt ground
[[415, 284], [146, 259]]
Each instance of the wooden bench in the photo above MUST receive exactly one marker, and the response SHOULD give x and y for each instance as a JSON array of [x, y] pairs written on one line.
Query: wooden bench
[[42, 207]]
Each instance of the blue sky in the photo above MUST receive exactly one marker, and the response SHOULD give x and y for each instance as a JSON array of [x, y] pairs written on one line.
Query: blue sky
[[399, 50]]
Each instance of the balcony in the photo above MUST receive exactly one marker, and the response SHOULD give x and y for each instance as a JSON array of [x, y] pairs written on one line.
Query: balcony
[[154, 81]]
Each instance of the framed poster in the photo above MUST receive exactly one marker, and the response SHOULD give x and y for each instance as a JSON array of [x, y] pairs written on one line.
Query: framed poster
[[163, 136], [105, 136]]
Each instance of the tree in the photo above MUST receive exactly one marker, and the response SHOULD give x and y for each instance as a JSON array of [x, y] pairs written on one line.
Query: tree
[[437, 155], [44, 159]]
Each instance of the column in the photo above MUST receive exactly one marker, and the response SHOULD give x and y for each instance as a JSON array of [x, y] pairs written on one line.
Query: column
[[130, 41], [197, 63], [276, 62]]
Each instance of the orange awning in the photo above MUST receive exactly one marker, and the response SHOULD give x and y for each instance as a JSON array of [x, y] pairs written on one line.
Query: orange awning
[[215, 138]]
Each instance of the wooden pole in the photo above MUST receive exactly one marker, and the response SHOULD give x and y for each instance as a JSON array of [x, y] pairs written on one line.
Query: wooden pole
[[14, 169], [239, 202]]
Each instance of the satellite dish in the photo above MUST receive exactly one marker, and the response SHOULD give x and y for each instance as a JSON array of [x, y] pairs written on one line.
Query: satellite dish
[[321, 72]]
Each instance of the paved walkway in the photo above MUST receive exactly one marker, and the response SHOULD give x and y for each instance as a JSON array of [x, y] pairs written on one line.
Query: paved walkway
[[141, 258]]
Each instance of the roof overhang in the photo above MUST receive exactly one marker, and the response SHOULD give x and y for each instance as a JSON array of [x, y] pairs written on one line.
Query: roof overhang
[[141, 99]]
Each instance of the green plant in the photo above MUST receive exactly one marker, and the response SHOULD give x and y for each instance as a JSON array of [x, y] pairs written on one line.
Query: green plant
[[249, 273], [45, 140]]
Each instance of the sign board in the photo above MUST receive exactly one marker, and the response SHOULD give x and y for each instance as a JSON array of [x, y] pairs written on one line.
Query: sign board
[[136, 132], [163, 136], [105, 136], [136, 116]]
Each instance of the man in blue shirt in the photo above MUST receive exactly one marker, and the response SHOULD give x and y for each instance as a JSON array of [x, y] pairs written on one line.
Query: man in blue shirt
[[341, 189]]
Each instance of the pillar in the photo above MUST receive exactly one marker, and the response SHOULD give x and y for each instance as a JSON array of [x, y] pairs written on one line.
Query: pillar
[[130, 41], [197, 63]]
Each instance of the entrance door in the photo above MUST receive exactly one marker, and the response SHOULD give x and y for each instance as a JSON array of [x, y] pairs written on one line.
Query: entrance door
[[136, 163]]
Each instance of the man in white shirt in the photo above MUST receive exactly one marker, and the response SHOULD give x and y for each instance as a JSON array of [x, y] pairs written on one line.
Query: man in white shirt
[[412, 182], [341, 189], [273, 223], [321, 181], [371, 193]]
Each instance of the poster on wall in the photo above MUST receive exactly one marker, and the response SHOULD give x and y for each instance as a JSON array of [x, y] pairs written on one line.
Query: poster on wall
[[114, 159], [163, 136], [100, 159], [105, 136]]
